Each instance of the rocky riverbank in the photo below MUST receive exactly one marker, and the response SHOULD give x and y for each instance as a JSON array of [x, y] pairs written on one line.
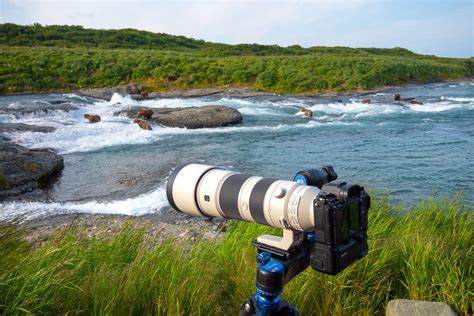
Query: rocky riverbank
[[166, 225], [136, 92], [26, 171]]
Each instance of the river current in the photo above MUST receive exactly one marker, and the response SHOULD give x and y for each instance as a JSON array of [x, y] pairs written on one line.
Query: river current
[[408, 151]]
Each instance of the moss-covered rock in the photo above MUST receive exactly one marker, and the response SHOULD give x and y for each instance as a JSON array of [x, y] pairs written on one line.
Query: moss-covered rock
[[4, 185]]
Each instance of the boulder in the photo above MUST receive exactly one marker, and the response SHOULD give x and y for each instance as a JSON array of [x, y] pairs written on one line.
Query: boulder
[[403, 307], [20, 127], [26, 108], [191, 117], [416, 102], [23, 170]]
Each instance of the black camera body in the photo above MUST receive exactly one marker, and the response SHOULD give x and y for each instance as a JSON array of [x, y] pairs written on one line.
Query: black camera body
[[340, 232]]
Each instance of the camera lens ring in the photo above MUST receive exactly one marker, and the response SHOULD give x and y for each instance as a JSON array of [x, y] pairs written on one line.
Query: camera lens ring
[[170, 183]]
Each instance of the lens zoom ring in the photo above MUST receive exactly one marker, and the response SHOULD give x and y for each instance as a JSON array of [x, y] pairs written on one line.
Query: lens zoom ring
[[257, 199], [229, 195]]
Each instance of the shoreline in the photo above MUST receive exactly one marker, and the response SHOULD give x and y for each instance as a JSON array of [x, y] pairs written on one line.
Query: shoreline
[[231, 91], [157, 226]]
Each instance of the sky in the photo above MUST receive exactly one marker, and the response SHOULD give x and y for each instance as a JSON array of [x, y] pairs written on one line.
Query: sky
[[442, 28]]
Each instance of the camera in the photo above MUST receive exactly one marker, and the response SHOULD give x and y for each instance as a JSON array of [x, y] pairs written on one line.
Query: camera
[[340, 232], [325, 218]]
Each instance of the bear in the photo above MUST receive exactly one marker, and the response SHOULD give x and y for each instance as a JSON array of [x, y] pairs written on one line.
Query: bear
[[146, 114], [93, 118], [397, 97], [366, 101], [307, 112], [143, 124]]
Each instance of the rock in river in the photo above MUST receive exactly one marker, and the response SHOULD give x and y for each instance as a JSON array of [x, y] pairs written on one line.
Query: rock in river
[[21, 109], [192, 117], [23, 170], [20, 127]]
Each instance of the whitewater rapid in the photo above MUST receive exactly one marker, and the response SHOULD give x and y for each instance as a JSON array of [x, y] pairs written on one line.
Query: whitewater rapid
[[146, 203], [74, 134], [264, 119]]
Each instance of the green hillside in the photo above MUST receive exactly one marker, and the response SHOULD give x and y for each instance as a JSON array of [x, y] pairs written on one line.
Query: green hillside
[[63, 58]]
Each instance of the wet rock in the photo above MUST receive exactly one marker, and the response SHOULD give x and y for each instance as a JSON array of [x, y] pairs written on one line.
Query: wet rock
[[416, 102], [106, 93], [366, 101], [24, 170], [403, 307], [197, 117], [129, 181], [21, 109], [191, 117], [20, 127]]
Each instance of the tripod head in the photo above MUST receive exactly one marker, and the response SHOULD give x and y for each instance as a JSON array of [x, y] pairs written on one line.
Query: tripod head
[[280, 259]]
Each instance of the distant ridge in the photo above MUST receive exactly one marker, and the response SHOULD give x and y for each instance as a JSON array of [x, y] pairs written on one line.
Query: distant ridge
[[40, 58], [78, 36]]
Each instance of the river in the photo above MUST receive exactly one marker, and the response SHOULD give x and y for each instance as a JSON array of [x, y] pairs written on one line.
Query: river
[[407, 151]]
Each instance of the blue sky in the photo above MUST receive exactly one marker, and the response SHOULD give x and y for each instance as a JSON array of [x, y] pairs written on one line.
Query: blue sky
[[443, 28]]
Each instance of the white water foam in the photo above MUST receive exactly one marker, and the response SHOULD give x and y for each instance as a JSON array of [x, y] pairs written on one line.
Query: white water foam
[[357, 109], [433, 107], [146, 203], [354, 108], [261, 111], [90, 137], [74, 134], [458, 99]]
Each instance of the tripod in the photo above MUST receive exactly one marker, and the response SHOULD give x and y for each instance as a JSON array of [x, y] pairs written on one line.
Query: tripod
[[276, 267]]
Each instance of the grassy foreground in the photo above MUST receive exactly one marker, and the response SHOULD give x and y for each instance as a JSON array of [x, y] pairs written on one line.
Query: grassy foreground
[[425, 253]]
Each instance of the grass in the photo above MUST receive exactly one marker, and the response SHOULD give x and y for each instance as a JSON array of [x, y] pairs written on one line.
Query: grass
[[66, 58], [423, 253]]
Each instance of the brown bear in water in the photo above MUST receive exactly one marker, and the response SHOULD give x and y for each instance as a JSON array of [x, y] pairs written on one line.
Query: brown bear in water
[[416, 102], [366, 101], [146, 114], [397, 97], [144, 94], [307, 112], [93, 118], [143, 124]]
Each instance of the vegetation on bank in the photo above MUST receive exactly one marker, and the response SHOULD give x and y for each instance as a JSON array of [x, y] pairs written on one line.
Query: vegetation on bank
[[424, 253], [62, 58]]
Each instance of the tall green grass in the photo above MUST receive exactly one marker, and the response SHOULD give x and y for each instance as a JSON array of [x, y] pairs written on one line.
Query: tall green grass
[[423, 253]]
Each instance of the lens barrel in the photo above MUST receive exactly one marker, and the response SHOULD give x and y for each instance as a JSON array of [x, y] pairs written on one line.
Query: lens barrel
[[210, 191]]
